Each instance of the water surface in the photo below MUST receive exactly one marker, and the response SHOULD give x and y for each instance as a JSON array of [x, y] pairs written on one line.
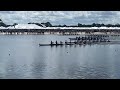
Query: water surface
[[28, 60]]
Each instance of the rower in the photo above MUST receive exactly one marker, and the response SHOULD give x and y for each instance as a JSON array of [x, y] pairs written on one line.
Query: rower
[[56, 43], [61, 42], [51, 43], [65, 42]]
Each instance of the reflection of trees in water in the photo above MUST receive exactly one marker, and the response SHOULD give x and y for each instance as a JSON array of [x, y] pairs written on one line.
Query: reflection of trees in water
[[38, 66], [66, 69], [64, 64], [72, 67], [38, 69], [12, 70]]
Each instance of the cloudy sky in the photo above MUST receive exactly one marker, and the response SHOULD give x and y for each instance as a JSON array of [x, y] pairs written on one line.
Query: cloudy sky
[[61, 17]]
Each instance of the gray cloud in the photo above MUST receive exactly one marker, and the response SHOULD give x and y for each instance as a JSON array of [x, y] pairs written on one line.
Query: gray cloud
[[61, 17]]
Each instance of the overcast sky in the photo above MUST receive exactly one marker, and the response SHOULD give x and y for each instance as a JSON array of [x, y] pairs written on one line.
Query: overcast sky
[[61, 17]]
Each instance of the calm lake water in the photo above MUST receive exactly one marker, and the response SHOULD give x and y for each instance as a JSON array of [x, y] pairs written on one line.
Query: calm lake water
[[29, 61]]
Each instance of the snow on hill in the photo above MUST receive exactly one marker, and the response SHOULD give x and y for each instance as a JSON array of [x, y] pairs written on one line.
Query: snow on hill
[[34, 26], [23, 26], [82, 28], [2, 27], [27, 26]]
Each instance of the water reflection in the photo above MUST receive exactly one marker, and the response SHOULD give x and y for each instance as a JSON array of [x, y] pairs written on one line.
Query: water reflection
[[28, 60], [38, 68], [12, 69]]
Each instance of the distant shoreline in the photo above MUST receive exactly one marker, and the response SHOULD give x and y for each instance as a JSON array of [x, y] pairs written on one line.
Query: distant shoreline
[[59, 31], [56, 33]]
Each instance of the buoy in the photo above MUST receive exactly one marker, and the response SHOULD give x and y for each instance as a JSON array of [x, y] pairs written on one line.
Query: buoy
[[9, 54]]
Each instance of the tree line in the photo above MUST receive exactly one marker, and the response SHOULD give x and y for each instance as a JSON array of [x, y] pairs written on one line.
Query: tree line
[[48, 24], [5, 25]]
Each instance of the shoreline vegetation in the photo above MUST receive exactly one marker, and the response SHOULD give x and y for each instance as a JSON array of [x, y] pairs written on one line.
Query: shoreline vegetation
[[58, 33], [48, 28]]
